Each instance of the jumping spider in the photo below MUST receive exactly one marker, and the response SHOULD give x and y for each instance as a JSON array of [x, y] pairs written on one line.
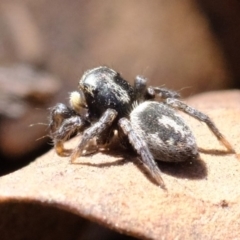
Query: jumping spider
[[105, 102]]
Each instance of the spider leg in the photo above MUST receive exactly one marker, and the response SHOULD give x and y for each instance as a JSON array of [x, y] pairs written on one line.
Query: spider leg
[[175, 103], [163, 93], [142, 149], [63, 123], [143, 92], [140, 86], [105, 138], [95, 130]]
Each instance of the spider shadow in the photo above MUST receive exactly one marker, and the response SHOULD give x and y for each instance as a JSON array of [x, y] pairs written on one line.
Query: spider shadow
[[120, 160], [195, 169], [189, 169]]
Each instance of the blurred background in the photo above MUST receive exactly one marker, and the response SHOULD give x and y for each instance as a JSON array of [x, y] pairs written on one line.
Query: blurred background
[[191, 46]]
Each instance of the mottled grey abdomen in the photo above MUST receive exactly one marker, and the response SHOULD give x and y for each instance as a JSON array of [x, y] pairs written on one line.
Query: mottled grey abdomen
[[168, 137]]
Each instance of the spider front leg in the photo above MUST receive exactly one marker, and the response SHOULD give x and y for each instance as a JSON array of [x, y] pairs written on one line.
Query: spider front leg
[[95, 130], [63, 123], [175, 103], [142, 149]]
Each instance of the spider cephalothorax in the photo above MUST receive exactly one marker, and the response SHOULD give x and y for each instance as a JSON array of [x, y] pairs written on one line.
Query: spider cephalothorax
[[146, 116]]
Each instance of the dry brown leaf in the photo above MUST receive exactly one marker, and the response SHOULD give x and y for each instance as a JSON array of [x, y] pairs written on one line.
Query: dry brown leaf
[[202, 201]]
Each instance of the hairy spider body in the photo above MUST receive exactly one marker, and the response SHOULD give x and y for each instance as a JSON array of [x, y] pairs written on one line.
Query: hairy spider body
[[160, 125], [105, 102], [104, 88]]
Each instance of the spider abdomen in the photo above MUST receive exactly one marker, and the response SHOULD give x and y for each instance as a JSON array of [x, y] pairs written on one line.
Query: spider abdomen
[[167, 135]]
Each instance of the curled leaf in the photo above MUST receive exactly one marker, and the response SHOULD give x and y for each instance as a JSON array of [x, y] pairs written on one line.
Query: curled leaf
[[111, 188]]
